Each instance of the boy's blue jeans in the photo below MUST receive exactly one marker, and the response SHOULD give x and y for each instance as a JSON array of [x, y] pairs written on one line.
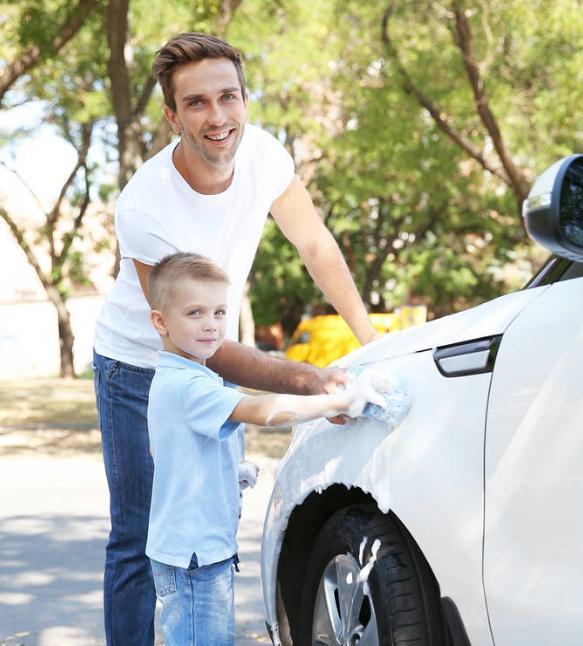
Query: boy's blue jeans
[[198, 606], [129, 595]]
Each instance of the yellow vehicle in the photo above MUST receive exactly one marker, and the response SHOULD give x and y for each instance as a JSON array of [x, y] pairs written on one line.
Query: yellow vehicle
[[323, 339]]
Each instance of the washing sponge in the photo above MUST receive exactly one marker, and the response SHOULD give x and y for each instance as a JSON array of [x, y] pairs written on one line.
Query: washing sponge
[[393, 388]]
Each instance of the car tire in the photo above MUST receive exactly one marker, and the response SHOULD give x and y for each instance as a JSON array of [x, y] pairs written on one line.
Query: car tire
[[367, 582]]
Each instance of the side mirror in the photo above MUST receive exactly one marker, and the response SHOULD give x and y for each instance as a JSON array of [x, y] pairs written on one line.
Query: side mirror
[[553, 210]]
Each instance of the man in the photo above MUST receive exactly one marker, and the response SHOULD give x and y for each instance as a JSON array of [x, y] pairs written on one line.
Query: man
[[208, 194]]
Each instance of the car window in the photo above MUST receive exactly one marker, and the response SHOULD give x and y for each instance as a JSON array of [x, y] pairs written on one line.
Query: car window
[[556, 270], [574, 271]]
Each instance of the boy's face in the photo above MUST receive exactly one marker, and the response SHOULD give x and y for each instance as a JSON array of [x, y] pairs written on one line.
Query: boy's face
[[192, 322]]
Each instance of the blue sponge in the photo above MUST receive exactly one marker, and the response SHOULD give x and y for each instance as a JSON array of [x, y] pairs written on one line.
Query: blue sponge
[[391, 387]]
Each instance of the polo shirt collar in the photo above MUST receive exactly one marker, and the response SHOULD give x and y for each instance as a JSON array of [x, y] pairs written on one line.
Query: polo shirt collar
[[171, 360]]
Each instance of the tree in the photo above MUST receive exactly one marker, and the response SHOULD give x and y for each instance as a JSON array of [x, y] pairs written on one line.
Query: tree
[[65, 88], [502, 49], [417, 127], [55, 239], [509, 172], [76, 103], [38, 43], [421, 219]]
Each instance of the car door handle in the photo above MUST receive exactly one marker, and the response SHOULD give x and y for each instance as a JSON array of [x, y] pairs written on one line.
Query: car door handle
[[468, 358]]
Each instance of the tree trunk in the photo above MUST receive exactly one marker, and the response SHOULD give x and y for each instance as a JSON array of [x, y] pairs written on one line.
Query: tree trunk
[[516, 177], [227, 10], [162, 137], [66, 341], [373, 272], [128, 129], [66, 337]]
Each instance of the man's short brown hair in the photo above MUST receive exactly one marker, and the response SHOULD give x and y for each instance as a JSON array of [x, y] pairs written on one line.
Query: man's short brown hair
[[176, 267], [187, 48]]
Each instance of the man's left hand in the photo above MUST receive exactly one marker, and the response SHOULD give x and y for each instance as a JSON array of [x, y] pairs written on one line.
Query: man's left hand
[[374, 337]]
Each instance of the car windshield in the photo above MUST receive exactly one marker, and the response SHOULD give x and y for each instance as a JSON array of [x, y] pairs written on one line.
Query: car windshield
[[554, 270]]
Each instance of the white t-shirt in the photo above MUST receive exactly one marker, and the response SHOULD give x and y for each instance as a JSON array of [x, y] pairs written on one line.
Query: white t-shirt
[[158, 213]]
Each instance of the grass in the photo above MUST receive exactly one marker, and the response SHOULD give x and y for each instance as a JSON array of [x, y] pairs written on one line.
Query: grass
[[57, 417]]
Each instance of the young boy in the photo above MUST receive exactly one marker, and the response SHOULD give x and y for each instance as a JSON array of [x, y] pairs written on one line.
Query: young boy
[[192, 420]]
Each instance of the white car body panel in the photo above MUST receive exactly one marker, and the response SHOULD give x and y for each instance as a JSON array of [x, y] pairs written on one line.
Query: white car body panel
[[478, 322], [436, 449], [534, 475]]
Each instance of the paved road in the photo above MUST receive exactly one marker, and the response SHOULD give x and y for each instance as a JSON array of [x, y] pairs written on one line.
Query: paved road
[[53, 529]]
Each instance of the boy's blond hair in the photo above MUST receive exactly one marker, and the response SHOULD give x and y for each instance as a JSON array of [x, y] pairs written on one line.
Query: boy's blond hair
[[176, 267]]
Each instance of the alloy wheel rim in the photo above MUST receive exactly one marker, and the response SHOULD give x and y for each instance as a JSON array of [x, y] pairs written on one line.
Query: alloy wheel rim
[[343, 611]]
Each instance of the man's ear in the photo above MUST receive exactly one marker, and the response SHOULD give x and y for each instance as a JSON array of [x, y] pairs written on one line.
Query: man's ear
[[158, 322], [171, 118]]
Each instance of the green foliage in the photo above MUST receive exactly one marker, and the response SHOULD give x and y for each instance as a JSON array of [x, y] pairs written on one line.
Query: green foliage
[[38, 22], [76, 273], [280, 285], [417, 219]]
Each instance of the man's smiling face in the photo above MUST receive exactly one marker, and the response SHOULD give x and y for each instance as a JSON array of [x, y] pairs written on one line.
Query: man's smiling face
[[210, 110]]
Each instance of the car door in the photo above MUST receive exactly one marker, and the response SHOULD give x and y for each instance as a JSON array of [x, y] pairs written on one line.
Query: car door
[[533, 531]]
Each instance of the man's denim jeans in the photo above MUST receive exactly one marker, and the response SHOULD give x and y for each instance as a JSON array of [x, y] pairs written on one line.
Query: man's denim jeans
[[129, 595], [197, 603]]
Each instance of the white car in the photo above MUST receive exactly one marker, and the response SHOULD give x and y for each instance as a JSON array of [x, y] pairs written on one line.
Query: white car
[[464, 524]]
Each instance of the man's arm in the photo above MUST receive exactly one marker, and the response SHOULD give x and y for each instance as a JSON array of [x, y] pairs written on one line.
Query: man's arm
[[252, 368], [298, 220]]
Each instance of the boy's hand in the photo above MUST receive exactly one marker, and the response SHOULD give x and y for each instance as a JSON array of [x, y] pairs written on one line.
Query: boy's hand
[[359, 396], [322, 381]]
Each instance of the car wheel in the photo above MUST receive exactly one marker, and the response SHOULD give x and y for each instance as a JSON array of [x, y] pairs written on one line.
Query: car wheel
[[367, 583]]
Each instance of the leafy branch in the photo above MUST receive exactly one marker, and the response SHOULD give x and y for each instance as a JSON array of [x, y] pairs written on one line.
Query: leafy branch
[[508, 172]]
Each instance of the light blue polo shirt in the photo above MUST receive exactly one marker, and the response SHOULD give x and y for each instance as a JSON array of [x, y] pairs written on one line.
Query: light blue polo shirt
[[195, 495]]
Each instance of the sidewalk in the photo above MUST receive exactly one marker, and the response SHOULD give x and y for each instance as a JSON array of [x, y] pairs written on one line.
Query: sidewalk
[[53, 530]]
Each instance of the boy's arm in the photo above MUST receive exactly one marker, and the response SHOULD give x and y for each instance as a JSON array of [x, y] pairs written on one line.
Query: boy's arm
[[280, 410]]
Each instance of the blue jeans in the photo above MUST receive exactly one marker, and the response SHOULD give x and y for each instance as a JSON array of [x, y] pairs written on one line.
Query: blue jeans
[[198, 606], [129, 598]]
